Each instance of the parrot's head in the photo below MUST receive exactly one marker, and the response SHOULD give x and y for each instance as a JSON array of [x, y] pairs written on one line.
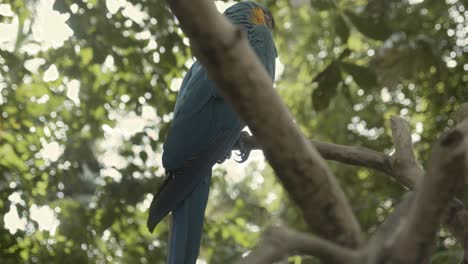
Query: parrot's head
[[249, 14]]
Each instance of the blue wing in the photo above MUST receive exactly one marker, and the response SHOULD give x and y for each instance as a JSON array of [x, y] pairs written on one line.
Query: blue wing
[[204, 129], [200, 116]]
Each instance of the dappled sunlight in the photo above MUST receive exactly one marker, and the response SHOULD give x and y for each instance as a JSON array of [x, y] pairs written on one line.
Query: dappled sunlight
[[235, 172], [9, 33], [51, 151], [175, 84], [33, 64], [13, 222], [51, 74], [145, 204], [360, 127], [49, 26], [73, 91], [222, 6], [129, 124], [45, 218]]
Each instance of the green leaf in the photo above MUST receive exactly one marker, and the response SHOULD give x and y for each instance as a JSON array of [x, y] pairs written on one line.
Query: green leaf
[[341, 28], [328, 81], [347, 93], [322, 4], [86, 55], [365, 77], [371, 26]]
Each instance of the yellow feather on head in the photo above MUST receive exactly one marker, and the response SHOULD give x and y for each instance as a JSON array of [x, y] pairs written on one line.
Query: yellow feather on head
[[259, 16]]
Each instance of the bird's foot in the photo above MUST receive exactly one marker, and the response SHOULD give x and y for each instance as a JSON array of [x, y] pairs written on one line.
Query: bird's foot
[[244, 150]]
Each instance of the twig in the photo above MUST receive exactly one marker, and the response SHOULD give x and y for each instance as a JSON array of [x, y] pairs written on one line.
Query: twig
[[351, 155]]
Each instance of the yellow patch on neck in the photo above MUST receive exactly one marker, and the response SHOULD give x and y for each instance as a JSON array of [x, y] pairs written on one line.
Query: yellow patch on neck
[[258, 16]]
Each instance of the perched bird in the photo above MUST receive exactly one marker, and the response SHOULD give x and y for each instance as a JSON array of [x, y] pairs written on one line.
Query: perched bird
[[204, 130]]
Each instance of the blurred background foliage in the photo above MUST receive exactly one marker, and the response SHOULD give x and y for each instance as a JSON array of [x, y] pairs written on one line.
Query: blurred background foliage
[[86, 93]]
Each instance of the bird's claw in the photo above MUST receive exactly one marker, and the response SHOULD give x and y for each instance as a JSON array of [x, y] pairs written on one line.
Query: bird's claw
[[244, 150]]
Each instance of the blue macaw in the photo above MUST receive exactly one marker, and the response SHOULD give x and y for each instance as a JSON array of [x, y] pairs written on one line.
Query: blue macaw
[[204, 130]]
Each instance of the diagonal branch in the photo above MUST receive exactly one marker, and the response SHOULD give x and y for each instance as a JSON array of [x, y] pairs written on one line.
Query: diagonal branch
[[446, 173], [230, 62], [456, 219], [388, 230], [280, 242]]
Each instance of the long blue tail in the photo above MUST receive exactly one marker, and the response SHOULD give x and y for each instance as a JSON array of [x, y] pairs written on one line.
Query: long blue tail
[[187, 225]]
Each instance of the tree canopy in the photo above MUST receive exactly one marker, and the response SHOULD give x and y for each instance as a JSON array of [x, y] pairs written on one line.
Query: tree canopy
[[86, 94]]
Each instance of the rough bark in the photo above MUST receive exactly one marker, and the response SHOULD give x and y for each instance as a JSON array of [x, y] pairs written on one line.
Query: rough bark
[[407, 172], [279, 242], [447, 169], [456, 219], [404, 165], [225, 53], [407, 234], [382, 240]]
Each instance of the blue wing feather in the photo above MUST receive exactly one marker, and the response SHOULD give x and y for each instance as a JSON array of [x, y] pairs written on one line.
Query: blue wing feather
[[200, 116], [204, 129]]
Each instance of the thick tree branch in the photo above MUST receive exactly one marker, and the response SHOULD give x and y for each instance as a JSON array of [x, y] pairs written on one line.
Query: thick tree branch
[[456, 219], [225, 53], [445, 175], [456, 216], [280, 242], [379, 246], [389, 228], [462, 113]]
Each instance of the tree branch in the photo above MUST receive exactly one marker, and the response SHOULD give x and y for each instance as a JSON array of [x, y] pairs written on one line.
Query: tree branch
[[445, 175], [280, 242], [462, 113], [456, 216], [388, 230], [230, 62], [456, 219], [404, 165], [351, 155]]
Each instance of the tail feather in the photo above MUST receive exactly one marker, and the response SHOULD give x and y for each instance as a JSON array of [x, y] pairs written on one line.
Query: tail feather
[[187, 225]]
